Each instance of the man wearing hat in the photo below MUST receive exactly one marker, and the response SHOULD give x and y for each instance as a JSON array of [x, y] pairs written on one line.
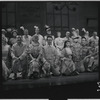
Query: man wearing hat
[[18, 54], [40, 37], [48, 32]]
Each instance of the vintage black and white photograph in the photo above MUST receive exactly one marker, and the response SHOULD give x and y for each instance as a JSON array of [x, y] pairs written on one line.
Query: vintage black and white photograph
[[47, 44]]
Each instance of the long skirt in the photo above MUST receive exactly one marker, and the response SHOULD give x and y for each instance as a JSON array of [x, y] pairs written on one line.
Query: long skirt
[[34, 67], [67, 66], [5, 71]]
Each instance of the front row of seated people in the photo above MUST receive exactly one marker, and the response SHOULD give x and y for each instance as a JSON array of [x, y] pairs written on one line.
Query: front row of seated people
[[35, 61]]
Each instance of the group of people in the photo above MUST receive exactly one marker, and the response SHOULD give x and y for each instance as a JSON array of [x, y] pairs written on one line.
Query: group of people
[[40, 56]]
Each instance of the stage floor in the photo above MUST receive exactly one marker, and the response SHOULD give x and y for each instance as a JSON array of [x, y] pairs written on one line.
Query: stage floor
[[51, 81]]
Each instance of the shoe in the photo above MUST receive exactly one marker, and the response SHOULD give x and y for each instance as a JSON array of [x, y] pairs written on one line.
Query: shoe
[[75, 73]]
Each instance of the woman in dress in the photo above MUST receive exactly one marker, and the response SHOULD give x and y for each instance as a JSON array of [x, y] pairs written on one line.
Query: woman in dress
[[13, 39], [36, 61], [5, 58], [68, 66], [59, 43]]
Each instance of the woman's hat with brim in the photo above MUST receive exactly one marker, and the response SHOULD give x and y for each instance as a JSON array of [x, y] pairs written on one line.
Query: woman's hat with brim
[[73, 29], [4, 31]]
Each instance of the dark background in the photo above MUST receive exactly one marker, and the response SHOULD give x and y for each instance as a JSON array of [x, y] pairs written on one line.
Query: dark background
[[61, 16]]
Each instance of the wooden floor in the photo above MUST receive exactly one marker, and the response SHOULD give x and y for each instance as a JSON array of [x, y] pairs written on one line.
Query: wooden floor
[[52, 81]]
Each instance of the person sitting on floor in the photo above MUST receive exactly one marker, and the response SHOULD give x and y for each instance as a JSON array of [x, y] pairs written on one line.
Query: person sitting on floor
[[51, 56], [35, 53], [84, 52], [68, 66], [18, 54], [92, 60]]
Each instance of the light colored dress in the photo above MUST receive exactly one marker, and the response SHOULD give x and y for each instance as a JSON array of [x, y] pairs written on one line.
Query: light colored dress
[[27, 39], [59, 43], [35, 53], [68, 65], [40, 37]]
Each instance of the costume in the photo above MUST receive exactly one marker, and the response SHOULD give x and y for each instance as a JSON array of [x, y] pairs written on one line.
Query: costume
[[76, 53], [35, 53], [84, 53], [40, 39], [68, 65], [59, 43], [19, 51], [51, 56], [92, 60], [27, 39]]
